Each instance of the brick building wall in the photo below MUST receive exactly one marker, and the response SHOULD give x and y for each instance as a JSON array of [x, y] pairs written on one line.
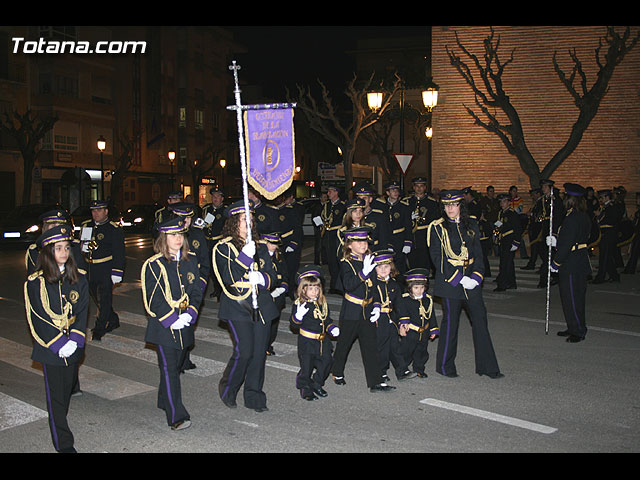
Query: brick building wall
[[466, 154]]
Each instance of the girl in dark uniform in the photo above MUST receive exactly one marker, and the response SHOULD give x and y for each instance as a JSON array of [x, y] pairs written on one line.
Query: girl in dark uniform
[[311, 318], [572, 261], [280, 288], [454, 244], [56, 301], [356, 267], [241, 267], [172, 295]]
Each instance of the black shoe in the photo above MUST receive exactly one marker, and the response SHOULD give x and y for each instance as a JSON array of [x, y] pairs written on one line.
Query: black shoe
[[493, 375], [231, 403], [261, 409], [385, 378], [449, 375], [339, 381], [111, 327], [270, 351], [181, 425], [574, 339], [321, 392], [406, 375], [381, 387], [97, 335], [421, 375], [308, 396], [564, 333]]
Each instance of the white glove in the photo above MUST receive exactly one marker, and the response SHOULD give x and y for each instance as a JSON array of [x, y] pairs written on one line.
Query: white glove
[[369, 265], [277, 292], [256, 278], [249, 249], [469, 283], [406, 249], [514, 248], [552, 241], [415, 215], [288, 249], [67, 349], [317, 220], [183, 320], [335, 332], [301, 311], [116, 279], [498, 223], [554, 270], [375, 315]]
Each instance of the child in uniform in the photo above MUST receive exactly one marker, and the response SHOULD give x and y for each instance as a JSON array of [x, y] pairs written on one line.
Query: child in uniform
[[417, 320], [310, 316]]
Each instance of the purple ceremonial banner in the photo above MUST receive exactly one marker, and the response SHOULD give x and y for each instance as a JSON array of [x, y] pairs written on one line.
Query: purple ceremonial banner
[[270, 149]]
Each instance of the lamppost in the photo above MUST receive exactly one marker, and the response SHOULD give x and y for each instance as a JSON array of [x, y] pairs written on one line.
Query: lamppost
[[102, 144], [223, 163], [172, 156], [429, 101]]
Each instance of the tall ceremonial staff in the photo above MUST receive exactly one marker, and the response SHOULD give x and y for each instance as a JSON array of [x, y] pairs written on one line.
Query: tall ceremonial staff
[[273, 188], [546, 325]]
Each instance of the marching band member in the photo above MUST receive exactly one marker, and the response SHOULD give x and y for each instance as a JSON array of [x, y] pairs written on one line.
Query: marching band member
[[357, 318], [417, 320], [280, 287], [454, 244], [106, 265], [56, 302], [311, 317], [331, 216], [509, 235], [172, 296], [401, 227], [235, 263], [571, 261]]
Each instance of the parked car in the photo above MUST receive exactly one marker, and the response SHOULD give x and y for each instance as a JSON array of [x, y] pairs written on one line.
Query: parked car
[[21, 226], [138, 218]]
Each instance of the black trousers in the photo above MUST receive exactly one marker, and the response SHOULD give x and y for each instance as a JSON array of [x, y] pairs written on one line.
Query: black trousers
[[247, 363], [170, 361], [365, 332], [414, 349], [316, 359], [507, 273], [58, 385], [632, 263], [389, 348], [101, 288], [606, 258], [485, 357], [333, 261], [573, 292]]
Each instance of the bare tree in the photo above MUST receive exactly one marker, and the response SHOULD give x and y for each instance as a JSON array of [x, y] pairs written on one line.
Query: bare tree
[[27, 130], [491, 97], [122, 162], [324, 118]]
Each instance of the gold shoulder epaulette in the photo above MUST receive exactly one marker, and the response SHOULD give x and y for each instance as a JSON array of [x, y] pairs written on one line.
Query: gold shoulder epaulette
[[86, 221], [82, 271], [32, 246], [115, 224], [34, 275]]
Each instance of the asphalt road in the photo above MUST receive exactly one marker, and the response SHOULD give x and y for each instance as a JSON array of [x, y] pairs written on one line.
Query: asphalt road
[[555, 396]]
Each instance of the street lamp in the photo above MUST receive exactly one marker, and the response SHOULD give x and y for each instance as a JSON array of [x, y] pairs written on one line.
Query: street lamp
[[172, 156], [223, 163], [374, 100], [430, 95], [102, 144]]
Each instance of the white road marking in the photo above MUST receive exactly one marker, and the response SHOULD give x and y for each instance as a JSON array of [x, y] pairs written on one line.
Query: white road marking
[[516, 422], [14, 412]]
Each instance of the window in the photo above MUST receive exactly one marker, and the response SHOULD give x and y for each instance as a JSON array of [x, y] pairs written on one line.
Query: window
[[199, 120], [182, 120]]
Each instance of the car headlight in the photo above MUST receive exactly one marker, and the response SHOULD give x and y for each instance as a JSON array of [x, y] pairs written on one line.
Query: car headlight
[[33, 228], [138, 220]]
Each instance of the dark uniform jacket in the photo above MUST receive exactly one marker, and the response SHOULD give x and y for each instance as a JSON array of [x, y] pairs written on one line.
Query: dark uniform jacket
[[56, 313], [31, 256], [266, 218], [231, 267], [107, 258], [290, 226], [450, 260], [609, 219], [357, 287], [315, 327], [386, 294], [423, 211], [198, 245], [331, 215], [572, 254], [170, 288], [400, 225], [418, 314], [281, 279], [535, 222], [378, 219], [213, 231], [510, 232]]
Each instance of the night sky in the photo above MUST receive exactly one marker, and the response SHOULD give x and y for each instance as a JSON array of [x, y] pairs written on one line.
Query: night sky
[[281, 56]]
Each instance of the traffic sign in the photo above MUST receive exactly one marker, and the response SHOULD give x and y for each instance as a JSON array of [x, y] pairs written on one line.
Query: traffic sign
[[404, 161]]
